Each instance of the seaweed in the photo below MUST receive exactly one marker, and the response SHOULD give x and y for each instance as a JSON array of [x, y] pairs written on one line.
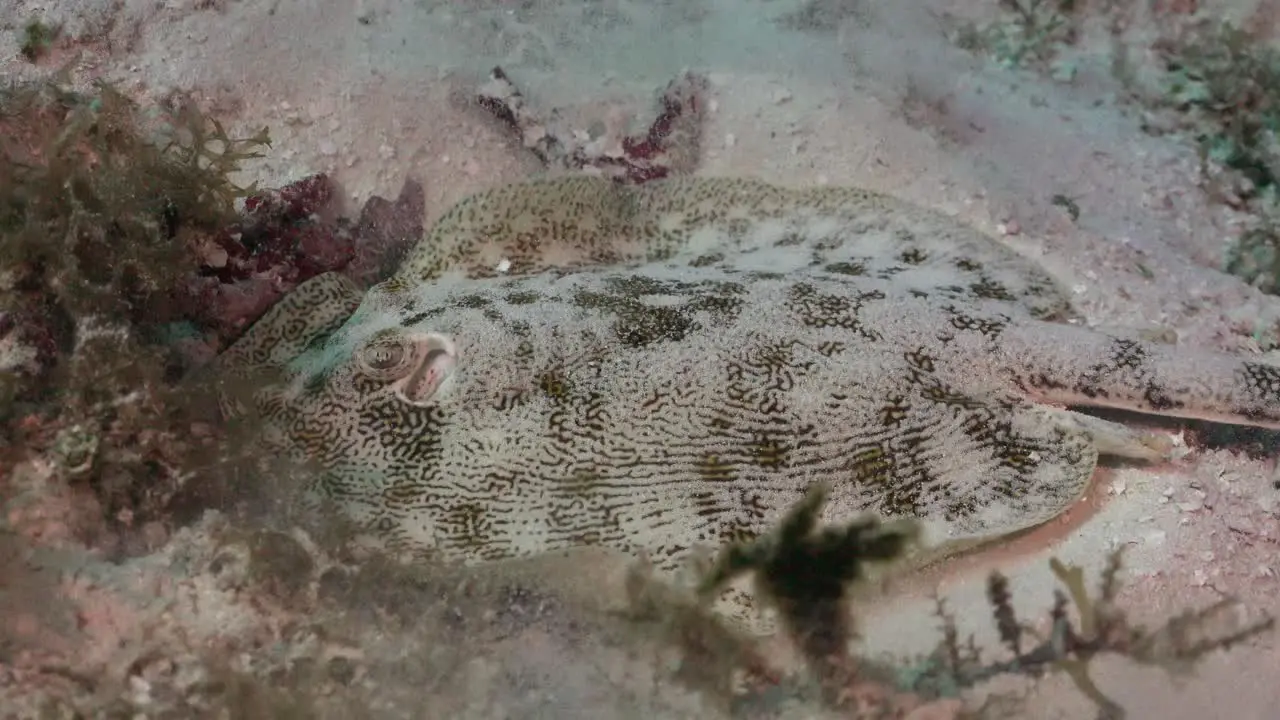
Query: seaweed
[[1224, 86], [1227, 86], [92, 206], [807, 575], [1029, 33], [37, 38], [95, 211], [1219, 85], [128, 258]]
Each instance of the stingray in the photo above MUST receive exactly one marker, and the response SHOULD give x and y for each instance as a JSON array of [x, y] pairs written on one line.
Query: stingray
[[654, 369]]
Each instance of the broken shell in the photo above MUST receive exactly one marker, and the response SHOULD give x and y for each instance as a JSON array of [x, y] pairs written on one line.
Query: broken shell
[[75, 449]]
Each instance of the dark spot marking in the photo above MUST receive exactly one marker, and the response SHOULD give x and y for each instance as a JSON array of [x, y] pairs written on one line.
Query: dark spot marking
[[989, 289], [821, 310], [419, 317], [472, 301], [894, 411], [1263, 380], [988, 328], [522, 298], [769, 450], [913, 256], [652, 325], [714, 469], [855, 269], [466, 523], [555, 386], [831, 348], [640, 323]]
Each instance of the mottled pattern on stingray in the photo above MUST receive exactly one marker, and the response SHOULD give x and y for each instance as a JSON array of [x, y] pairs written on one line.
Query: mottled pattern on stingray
[[657, 408], [581, 221], [660, 406]]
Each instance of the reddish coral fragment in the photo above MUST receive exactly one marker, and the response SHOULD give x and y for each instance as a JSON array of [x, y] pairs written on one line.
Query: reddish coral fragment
[[295, 201], [286, 237], [385, 231], [671, 144]]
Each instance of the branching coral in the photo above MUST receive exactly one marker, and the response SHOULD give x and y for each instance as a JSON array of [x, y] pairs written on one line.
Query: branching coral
[[1102, 626]]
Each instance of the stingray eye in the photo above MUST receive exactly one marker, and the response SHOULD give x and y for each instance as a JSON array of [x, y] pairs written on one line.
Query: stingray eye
[[386, 358]]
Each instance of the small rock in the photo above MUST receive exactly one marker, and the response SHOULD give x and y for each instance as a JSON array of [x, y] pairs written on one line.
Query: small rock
[[1244, 526], [341, 670], [75, 449], [279, 562]]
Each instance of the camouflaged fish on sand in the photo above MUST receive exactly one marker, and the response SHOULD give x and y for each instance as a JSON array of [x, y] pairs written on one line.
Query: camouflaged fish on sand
[[674, 364]]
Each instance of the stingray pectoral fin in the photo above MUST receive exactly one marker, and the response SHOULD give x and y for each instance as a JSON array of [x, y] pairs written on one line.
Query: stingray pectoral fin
[[931, 556], [1013, 466], [1055, 479], [312, 310], [1116, 440]]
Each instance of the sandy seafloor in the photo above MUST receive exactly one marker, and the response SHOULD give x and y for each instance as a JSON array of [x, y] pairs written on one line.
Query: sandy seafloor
[[375, 91]]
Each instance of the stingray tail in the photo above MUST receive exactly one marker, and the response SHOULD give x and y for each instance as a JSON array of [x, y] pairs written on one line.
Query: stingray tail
[[1067, 365]]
